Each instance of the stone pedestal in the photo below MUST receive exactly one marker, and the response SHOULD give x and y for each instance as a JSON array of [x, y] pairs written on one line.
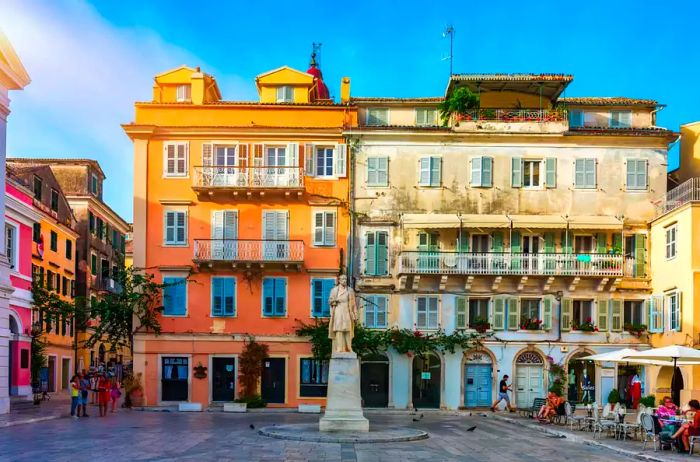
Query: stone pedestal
[[343, 404]]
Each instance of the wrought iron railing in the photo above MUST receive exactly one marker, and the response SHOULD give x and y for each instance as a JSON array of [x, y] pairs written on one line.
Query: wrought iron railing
[[248, 250], [106, 283], [514, 115], [688, 191], [497, 263], [248, 177]]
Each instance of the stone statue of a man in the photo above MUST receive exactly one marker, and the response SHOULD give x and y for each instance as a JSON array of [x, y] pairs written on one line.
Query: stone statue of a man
[[341, 329]]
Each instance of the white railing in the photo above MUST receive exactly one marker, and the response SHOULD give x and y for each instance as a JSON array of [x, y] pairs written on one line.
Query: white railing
[[555, 264], [514, 115], [687, 191], [248, 250], [248, 177]]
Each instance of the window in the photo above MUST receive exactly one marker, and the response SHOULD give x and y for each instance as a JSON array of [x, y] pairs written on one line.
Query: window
[[49, 280], [10, 246], [377, 171], [377, 116], [184, 93], [582, 312], [673, 302], [54, 241], [482, 172], [94, 187], [427, 312], [324, 161], [478, 310], [634, 312], [93, 264], [480, 243], [175, 164], [529, 309], [671, 234], [91, 222], [636, 174], [99, 228], [274, 296], [174, 375], [64, 286], [313, 377], [37, 187], [620, 119], [585, 174], [426, 117], [532, 173], [324, 229], [575, 118], [430, 171], [320, 292], [36, 232], [174, 296], [377, 253], [583, 244], [223, 296], [54, 200], [105, 269], [175, 227], [376, 311], [285, 94]]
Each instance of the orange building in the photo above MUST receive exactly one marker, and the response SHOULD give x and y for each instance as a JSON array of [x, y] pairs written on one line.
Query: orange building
[[241, 207]]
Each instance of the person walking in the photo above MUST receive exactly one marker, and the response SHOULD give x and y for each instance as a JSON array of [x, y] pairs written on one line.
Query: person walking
[[103, 392], [503, 389], [115, 393], [93, 385], [84, 393], [74, 395]]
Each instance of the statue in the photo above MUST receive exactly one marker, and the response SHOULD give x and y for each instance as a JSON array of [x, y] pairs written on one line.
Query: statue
[[341, 328]]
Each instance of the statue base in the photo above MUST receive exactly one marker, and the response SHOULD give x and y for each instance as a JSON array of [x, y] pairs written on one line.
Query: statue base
[[343, 403]]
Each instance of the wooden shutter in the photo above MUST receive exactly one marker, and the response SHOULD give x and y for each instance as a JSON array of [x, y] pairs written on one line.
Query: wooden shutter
[[602, 312], [230, 224], [293, 155], [616, 315], [515, 242], [575, 118], [217, 296], [370, 254], [497, 241], [516, 172], [169, 158], [550, 172], [476, 171], [258, 155], [601, 243], [640, 252], [329, 233], [380, 310], [549, 242], [318, 228], [487, 172], [580, 173], [182, 156], [498, 315], [268, 296], [617, 243], [383, 171], [547, 303], [181, 297], [630, 174], [309, 159], [566, 243], [207, 155], [340, 160], [567, 308], [230, 297], [461, 312], [656, 313], [435, 171], [280, 296], [513, 313], [382, 255], [424, 171], [217, 225], [316, 297], [372, 171]]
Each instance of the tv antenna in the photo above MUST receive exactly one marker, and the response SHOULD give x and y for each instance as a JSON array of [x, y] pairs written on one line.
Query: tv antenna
[[449, 30]]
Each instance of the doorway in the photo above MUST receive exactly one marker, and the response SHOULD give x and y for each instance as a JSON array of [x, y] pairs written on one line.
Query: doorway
[[478, 383], [52, 374], [65, 373], [530, 249], [374, 381], [529, 378], [174, 379], [581, 380], [223, 385], [426, 381], [272, 383]]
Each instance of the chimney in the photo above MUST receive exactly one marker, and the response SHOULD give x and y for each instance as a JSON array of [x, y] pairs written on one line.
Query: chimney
[[345, 90], [197, 91]]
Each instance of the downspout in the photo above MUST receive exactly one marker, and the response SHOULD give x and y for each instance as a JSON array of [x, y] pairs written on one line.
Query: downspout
[[351, 198], [659, 108]]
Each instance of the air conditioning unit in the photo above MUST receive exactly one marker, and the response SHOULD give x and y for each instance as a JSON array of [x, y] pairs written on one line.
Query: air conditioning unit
[[564, 349]]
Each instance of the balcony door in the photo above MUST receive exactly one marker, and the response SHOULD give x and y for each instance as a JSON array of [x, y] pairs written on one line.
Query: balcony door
[[229, 167], [429, 256], [530, 249], [275, 235], [224, 232]]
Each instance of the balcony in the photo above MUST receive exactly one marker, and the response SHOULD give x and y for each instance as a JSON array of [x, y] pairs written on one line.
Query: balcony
[[517, 264], [512, 120], [248, 251], [688, 191], [219, 178], [105, 284]]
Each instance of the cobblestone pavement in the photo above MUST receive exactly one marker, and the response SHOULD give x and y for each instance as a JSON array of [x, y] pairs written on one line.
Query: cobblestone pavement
[[133, 435]]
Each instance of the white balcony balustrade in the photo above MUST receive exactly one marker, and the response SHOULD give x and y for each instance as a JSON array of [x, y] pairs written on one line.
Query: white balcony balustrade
[[259, 177], [248, 250]]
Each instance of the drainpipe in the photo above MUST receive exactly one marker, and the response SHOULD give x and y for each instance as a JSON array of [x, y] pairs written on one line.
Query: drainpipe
[[659, 108], [351, 198]]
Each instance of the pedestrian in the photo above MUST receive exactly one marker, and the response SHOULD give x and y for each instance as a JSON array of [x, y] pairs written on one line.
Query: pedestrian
[[74, 395], [93, 386], [503, 389], [115, 393], [84, 393], [103, 392]]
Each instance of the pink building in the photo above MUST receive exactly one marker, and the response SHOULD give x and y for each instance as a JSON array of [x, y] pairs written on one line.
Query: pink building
[[20, 218]]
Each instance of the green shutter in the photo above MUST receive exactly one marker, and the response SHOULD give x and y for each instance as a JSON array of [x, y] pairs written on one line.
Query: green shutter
[[601, 242], [616, 315], [515, 249], [551, 172], [656, 313], [640, 253], [549, 250], [602, 311], [566, 243], [617, 243], [497, 237], [567, 307], [499, 313], [461, 313], [487, 172], [513, 313], [382, 255], [517, 172], [547, 303], [370, 254], [463, 241]]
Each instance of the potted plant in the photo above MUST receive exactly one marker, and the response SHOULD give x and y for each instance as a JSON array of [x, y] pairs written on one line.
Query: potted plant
[[250, 369], [133, 390], [460, 101], [531, 324], [587, 326], [614, 396], [636, 329], [480, 325]]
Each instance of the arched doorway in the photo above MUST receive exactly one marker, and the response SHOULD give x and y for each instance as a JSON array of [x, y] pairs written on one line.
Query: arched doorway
[[374, 380], [581, 379], [426, 380], [478, 379], [670, 381], [529, 378]]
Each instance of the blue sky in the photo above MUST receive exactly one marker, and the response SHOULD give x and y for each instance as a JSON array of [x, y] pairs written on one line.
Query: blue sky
[[89, 61]]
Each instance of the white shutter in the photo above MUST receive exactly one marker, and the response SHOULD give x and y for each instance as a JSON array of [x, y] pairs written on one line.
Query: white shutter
[[168, 159], [424, 171], [318, 228], [293, 155], [275, 225], [207, 150], [341, 155], [268, 224], [309, 159], [476, 171], [329, 234], [230, 224], [217, 225]]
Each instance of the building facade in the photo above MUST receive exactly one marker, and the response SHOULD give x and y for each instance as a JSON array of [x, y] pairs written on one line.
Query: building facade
[[241, 208], [13, 76], [526, 217]]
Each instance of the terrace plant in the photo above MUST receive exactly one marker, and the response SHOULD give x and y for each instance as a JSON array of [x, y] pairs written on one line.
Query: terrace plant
[[531, 324], [460, 102], [586, 326]]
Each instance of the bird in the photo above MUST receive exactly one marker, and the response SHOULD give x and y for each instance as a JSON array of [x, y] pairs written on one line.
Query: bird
[[471, 429], [415, 409], [416, 420], [252, 427], [470, 414]]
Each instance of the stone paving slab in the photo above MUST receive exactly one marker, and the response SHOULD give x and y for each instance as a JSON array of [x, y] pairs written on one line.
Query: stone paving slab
[[310, 432]]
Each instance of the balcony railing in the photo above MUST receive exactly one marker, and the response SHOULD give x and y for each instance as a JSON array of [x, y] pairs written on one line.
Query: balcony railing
[[514, 115], [248, 250], [106, 283], [687, 191], [545, 264], [248, 177]]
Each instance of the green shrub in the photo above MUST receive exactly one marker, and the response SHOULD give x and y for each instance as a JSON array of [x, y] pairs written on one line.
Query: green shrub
[[614, 396], [557, 388], [648, 401], [253, 402]]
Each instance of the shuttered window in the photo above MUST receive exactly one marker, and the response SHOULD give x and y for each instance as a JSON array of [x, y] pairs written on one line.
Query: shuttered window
[[320, 291], [377, 171], [482, 172], [585, 174], [274, 296], [430, 171], [671, 233], [656, 313], [378, 116], [174, 296], [427, 312], [461, 313], [175, 159], [223, 296], [575, 118], [376, 307], [636, 177], [377, 253], [324, 229], [550, 172], [175, 227], [673, 303]]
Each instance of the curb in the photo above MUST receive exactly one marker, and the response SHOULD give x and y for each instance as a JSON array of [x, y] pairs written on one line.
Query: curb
[[577, 439], [14, 423]]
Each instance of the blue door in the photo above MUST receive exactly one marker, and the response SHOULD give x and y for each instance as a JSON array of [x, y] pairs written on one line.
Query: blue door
[[477, 385]]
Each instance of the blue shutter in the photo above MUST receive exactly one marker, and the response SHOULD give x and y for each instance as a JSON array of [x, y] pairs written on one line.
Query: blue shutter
[[180, 298], [229, 297], [280, 296], [326, 294], [575, 118], [167, 296], [217, 296], [268, 296], [316, 297]]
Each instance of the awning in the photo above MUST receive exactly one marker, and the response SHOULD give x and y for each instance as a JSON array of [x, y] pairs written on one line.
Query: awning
[[485, 221], [430, 220], [538, 221], [594, 222]]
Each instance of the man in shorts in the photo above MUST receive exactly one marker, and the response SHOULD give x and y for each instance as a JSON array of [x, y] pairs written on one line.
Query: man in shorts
[[503, 389]]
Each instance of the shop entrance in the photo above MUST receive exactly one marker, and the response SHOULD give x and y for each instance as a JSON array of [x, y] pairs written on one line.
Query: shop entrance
[[426, 381], [581, 379]]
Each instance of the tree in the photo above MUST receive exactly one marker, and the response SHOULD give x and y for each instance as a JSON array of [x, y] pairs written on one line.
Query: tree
[[137, 298], [460, 101]]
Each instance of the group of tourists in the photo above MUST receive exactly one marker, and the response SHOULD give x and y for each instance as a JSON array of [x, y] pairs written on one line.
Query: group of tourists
[[103, 386], [679, 425]]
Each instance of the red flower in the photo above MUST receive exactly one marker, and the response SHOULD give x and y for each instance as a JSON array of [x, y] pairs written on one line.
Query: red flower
[[417, 334], [409, 354]]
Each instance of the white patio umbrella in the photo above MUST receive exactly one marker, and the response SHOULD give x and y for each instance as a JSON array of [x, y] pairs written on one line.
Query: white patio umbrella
[[623, 356], [678, 355]]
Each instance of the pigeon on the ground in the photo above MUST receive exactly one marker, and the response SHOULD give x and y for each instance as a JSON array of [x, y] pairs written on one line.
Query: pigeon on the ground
[[416, 420], [471, 429], [252, 427]]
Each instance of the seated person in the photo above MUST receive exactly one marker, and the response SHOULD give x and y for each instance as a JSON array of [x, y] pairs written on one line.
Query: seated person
[[549, 409], [666, 411], [691, 428]]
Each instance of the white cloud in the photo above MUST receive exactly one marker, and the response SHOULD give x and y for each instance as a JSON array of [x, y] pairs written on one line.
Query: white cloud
[[86, 74]]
